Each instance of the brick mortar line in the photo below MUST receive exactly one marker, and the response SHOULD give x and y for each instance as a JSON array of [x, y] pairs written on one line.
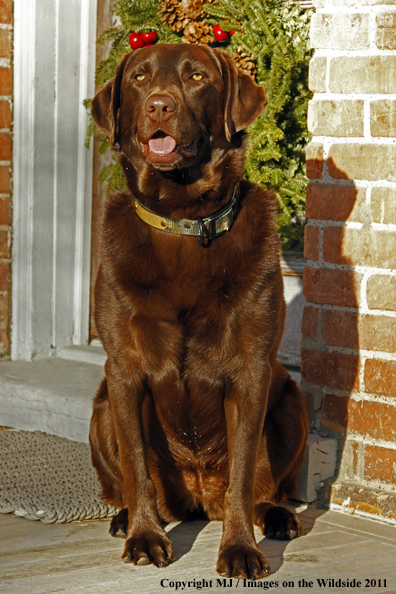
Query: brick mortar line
[[351, 267], [362, 361], [353, 395], [384, 488], [5, 63], [323, 52], [5, 163], [372, 312], [369, 397], [321, 235], [378, 312], [6, 26], [342, 224], [5, 130], [387, 227], [381, 443], [390, 227], [350, 183], [355, 10], [329, 141], [335, 182], [359, 310], [364, 308], [363, 354], [329, 307], [351, 96]]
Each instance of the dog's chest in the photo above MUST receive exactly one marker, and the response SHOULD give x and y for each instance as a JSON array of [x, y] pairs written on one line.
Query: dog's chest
[[185, 361]]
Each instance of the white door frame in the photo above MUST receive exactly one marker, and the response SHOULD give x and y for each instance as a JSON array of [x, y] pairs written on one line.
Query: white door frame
[[54, 65]]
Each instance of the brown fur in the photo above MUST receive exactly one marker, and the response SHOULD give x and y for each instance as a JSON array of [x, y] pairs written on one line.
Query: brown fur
[[195, 417]]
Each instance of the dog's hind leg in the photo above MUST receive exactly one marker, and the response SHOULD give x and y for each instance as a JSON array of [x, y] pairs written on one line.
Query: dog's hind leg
[[104, 449], [119, 524], [281, 455]]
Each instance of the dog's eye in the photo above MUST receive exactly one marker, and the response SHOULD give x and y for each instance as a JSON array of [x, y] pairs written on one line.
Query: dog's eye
[[140, 77], [197, 76]]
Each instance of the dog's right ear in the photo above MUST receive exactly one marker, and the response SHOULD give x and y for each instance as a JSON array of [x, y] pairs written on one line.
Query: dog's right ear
[[244, 99], [106, 104]]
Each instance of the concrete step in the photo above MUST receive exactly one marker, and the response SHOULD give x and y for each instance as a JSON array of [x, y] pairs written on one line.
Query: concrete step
[[51, 395], [93, 353]]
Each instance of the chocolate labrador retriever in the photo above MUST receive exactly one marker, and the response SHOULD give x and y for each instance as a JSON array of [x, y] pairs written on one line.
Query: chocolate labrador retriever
[[195, 417]]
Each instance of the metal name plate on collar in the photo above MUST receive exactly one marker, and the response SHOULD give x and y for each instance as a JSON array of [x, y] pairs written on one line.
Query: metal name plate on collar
[[204, 228]]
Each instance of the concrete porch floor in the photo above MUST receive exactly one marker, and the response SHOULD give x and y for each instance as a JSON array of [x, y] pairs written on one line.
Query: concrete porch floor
[[82, 558]]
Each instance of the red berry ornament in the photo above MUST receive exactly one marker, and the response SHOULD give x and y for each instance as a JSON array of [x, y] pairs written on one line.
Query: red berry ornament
[[233, 32], [219, 34], [150, 37], [136, 41]]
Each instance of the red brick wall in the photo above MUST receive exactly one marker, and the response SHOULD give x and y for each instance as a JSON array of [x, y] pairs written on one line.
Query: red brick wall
[[349, 324], [5, 172]]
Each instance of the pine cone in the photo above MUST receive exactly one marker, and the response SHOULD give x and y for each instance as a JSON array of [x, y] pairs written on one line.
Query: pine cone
[[192, 33], [171, 13], [187, 17], [193, 9], [198, 33], [244, 61]]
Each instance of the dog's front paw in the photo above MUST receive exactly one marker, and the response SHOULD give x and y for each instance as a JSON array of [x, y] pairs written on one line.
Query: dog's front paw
[[241, 561], [279, 523], [148, 546]]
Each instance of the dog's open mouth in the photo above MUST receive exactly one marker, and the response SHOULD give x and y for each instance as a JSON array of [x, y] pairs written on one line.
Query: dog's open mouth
[[162, 148]]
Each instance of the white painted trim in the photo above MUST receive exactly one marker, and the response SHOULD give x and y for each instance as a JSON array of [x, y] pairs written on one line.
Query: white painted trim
[[35, 322], [55, 181], [23, 148], [85, 170]]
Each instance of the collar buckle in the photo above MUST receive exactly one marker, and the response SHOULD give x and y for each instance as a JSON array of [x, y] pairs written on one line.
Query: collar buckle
[[204, 228], [207, 230]]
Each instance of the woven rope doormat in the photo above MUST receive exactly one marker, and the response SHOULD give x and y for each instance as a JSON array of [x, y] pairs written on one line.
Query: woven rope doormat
[[48, 478]]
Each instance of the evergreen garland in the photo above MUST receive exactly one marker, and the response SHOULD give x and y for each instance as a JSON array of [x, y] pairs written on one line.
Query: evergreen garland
[[276, 36]]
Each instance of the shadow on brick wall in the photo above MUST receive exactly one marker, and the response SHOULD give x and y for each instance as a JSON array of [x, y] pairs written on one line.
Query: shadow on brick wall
[[330, 365]]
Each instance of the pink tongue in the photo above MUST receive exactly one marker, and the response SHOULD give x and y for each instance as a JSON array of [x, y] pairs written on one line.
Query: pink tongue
[[162, 146]]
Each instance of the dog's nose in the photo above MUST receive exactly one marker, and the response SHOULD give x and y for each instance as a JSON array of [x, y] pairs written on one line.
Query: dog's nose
[[160, 107]]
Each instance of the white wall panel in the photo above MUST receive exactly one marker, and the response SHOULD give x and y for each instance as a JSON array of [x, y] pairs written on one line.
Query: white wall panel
[[54, 62]]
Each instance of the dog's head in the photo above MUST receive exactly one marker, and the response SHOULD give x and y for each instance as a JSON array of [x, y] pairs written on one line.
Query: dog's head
[[167, 103]]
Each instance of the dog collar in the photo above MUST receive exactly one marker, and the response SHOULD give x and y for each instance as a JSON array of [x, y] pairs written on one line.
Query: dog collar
[[205, 228]]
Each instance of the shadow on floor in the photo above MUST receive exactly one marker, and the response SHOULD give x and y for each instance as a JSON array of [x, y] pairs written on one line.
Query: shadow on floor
[[185, 534]]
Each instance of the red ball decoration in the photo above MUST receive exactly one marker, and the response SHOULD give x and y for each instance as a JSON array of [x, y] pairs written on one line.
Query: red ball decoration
[[136, 41], [150, 37], [219, 34], [233, 32]]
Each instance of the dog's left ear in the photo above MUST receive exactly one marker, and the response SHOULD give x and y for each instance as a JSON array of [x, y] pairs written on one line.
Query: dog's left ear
[[106, 104], [244, 100]]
